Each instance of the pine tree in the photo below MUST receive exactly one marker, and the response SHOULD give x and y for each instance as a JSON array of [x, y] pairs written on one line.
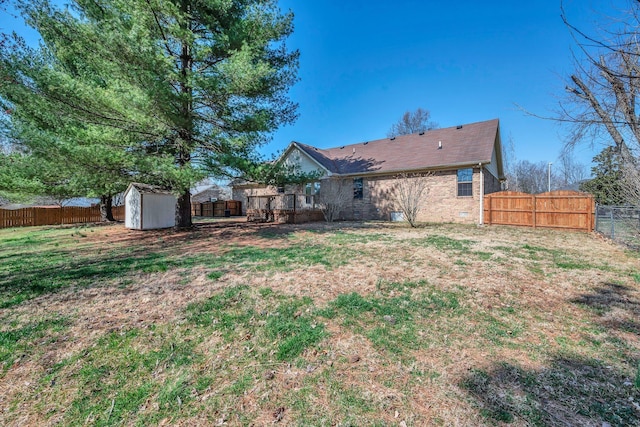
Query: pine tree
[[606, 184], [185, 83]]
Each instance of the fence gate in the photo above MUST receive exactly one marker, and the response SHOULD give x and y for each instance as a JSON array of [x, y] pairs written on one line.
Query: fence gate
[[571, 210]]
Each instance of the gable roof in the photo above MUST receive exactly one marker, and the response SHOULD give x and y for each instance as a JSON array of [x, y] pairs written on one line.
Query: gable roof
[[465, 145], [202, 188], [147, 189]]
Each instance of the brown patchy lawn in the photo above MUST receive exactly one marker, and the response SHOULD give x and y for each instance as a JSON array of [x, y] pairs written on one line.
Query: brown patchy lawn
[[317, 324]]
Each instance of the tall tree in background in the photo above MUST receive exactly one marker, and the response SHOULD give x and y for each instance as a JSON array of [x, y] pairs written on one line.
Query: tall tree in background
[[570, 174], [188, 81], [602, 94], [606, 184], [412, 122], [531, 178]]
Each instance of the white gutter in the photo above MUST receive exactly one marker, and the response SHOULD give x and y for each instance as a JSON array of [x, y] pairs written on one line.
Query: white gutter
[[481, 220]]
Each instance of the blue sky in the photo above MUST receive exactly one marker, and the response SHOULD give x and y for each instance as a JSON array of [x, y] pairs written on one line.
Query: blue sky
[[364, 63]]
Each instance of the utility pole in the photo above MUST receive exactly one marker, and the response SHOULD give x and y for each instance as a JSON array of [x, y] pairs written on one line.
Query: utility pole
[[549, 177]]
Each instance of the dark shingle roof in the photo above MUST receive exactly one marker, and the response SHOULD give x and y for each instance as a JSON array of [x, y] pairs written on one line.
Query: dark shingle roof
[[461, 145]]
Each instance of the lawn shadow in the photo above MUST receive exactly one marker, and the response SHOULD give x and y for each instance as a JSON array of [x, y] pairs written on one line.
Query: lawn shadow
[[569, 392], [279, 231], [617, 306], [29, 278], [46, 268]]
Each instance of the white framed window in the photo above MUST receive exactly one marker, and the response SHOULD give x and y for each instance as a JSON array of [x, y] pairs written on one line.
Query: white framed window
[[311, 189], [465, 182]]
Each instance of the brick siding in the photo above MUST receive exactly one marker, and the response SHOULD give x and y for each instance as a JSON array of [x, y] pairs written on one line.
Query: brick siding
[[441, 204]]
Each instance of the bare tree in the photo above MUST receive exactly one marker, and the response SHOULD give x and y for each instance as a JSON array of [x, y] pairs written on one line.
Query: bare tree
[[532, 178], [410, 192], [570, 173], [631, 184], [333, 197], [509, 162], [602, 93], [412, 122]]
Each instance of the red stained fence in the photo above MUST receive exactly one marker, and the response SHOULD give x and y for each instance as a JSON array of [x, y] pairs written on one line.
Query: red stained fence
[[26, 217], [557, 209]]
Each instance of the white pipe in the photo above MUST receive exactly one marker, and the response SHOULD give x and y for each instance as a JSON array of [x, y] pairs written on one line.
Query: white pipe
[[481, 222]]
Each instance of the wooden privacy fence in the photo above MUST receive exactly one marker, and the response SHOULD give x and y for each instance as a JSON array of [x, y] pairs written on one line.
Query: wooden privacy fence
[[557, 209], [283, 208], [26, 217], [217, 209]]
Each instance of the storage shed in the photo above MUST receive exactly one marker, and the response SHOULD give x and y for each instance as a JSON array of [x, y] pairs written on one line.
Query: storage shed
[[148, 207]]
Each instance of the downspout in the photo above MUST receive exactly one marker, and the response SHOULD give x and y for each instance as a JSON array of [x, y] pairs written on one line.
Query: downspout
[[481, 221]]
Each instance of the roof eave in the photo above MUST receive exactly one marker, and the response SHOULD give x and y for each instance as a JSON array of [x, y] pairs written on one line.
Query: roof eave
[[299, 147], [416, 170]]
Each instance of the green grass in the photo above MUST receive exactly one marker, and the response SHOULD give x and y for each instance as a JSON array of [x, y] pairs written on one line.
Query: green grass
[[293, 330], [444, 243], [392, 320], [285, 259], [500, 330], [288, 325], [19, 341], [117, 376], [348, 238], [483, 256], [562, 259]]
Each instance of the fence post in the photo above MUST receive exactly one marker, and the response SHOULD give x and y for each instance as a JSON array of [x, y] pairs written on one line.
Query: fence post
[[533, 210], [613, 226], [596, 219]]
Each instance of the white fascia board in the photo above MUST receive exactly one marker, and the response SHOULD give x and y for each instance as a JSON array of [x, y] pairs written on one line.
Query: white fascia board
[[297, 147]]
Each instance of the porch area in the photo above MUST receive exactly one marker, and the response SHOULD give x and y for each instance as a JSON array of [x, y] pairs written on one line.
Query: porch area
[[283, 209]]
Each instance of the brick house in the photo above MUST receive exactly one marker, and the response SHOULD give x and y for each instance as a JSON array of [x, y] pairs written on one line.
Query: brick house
[[207, 193], [459, 165]]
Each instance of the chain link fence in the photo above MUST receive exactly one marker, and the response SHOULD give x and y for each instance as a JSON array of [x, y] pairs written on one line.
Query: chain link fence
[[619, 223]]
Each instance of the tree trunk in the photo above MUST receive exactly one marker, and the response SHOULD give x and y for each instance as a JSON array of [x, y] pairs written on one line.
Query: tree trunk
[[106, 213], [183, 210], [185, 140]]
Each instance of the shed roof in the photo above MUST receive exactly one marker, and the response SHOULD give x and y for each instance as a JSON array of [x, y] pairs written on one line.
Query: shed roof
[[468, 144], [148, 189]]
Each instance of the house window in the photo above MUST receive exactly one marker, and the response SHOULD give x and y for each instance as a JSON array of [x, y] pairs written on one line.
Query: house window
[[465, 179], [357, 188], [280, 189], [311, 189]]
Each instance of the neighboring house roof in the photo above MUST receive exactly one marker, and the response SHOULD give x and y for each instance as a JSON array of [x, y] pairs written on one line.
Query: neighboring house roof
[[147, 189], [457, 146], [202, 188]]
